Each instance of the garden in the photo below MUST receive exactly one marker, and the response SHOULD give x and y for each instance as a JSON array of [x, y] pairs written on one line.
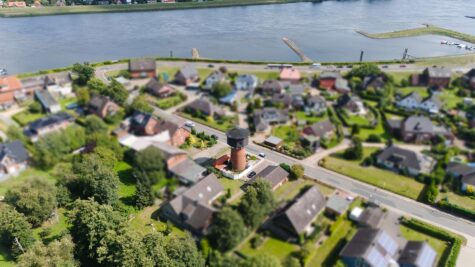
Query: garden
[[292, 145]]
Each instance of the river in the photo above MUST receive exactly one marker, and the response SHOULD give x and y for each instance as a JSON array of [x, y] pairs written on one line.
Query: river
[[324, 31]]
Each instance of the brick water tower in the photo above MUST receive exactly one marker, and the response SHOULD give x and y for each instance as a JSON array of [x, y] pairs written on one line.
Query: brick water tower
[[237, 140]]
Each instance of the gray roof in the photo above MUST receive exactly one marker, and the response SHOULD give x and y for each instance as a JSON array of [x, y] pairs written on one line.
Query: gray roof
[[435, 99], [168, 150], [338, 203], [188, 170], [273, 140], [238, 133], [98, 102], [342, 85], [188, 72], [371, 217], [204, 106], [273, 174], [266, 116], [376, 81], [439, 72], [303, 210], [45, 98], [330, 75], [417, 253], [272, 85], [195, 203], [414, 95], [285, 99], [418, 124], [48, 121], [403, 158], [374, 246], [319, 129], [154, 86], [461, 169], [146, 64], [14, 150], [296, 89], [316, 99]]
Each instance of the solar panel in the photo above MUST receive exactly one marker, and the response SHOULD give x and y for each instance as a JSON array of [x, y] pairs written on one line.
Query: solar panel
[[385, 241], [375, 258], [426, 257]]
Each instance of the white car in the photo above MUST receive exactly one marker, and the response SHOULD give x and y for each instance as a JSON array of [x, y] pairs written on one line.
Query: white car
[[262, 155], [316, 66], [189, 124]]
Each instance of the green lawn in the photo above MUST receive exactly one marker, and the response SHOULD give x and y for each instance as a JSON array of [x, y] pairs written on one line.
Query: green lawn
[[291, 189], [127, 186], [263, 75], [64, 102], [422, 91], [438, 245], [271, 246], [301, 115], [399, 76], [25, 175], [146, 221], [233, 185], [6, 259], [381, 178], [450, 98], [464, 201], [168, 102], [223, 124], [55, 228], [25, 117]]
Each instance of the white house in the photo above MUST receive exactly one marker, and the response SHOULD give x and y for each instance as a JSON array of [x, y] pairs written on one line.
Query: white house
[[411, 101], [246, 82], [213, 78], [431, 104]]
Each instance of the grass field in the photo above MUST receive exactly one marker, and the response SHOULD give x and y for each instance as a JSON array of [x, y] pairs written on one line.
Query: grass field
[[233, 185], [291, 189], [146, 221], [450, 98], [422, 91], [25, 117], [271, 246], [438, 245], [221, 125], [301, 115], [24, 175], [464, 201], [168, 102], [384, 179]]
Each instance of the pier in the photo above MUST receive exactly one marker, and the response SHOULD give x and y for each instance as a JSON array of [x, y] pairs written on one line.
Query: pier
[[296, 49], [195, 54]]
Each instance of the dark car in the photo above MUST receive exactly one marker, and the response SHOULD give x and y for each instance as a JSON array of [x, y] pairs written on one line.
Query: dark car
[[251, 174], [210, 66]]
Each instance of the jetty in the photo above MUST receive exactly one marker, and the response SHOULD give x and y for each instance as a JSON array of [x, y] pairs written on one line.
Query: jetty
[[296, 49], [195, 54]]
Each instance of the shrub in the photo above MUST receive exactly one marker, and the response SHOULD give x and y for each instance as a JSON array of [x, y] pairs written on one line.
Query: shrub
[[373, 138], [257, 241]]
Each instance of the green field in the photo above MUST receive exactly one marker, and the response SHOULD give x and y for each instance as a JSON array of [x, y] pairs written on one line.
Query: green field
[[223, 124], [301, 115], [291, 189], [25, 117], [422, 91], [426, 30], [48, 11], [168, 102], [271, 246], [381, 178], [24, 175]]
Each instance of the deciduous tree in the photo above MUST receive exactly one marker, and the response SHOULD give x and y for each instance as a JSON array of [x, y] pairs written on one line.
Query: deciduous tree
[[227, 230], [84, 72], [56, 253], [15, 231]]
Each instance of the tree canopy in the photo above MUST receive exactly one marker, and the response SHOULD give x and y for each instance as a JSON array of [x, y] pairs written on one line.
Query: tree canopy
[[151, 161], [365, 69], [221, 89], [257, 202], [84, 72], [227, 229], [56, 253], [15, 231]]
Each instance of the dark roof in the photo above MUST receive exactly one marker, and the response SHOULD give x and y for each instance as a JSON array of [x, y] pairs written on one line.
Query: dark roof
[[146, 64], [98, 102], [376, 81], [371, 216], [417, 253], [319, 128], [296, 89], [48, 121], [439, 72], [238, 133], [461, 169], [273, 174], [45, 98], [204, 106], [347, 99], [154, 85], [401, 157], [330, 75], [266, 116], [188, 72], [14, 150], [285, 99], [271, 85], [301, 212], [418, 124], [316, 99]]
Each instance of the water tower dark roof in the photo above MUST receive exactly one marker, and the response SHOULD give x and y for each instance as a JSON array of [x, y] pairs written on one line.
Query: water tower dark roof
[[238, 133]]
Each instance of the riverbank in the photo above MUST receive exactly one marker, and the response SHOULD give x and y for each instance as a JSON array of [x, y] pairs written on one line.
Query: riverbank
[[426, 30], [67, 10]]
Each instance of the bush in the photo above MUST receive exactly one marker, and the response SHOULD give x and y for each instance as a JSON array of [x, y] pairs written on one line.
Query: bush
[[257, 241], [35, 107], [456, 209], [373, 138]]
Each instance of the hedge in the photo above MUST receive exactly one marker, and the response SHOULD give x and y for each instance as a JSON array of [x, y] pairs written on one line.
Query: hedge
[[456, 210], [450, 259]]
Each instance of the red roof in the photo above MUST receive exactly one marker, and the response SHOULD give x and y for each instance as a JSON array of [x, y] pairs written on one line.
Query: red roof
[[9, 83]]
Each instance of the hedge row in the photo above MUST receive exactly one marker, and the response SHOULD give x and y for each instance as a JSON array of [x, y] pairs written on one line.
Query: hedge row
[[450, 259], [456, 210]]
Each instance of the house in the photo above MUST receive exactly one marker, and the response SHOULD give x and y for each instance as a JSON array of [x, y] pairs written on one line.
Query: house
[[282, 100], [290, 74], [10, 88], [376, 82], [193, 208], [47, 101], [327, 79], [229, 98], [313, 134], [410, 102], [187, 75], [336, 205], [297, 217], [214, 78], [464, 172], [431, 104], [30, 85], [316, 105], [13, 158], [246, 82], [102, 106], [404, 160], [125, 82], [46, 125], [352, 104], [269, 116], [468, 80], [271, 87], [371, 247], [438, 77], [159, 89], [142, 68], [341, 86], [203, 107], [275, 175], [17, 4], [419, 129], [370, 217], [417, 254], [273, 142], [60, 83]]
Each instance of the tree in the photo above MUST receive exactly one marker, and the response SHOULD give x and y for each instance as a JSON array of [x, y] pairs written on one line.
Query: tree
[[140, 104], [365, 69], [297, 171], [16, 133], [35, 107], [90, 223], [154, 246], [183, 251], [83, 96], [431, 192], [94, 124], [355, 151], [292, 262], [227, 230], [221, 89], [96, 179], [151, 161], [84, 73], [96, 86], [106, 156], [117, 92], [257, 203], [262, 260], [35, 198], [144, 194], [56, 253], [15, 231], [355, 129]]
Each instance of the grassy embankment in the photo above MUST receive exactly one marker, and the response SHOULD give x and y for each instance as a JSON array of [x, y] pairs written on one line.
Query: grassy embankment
[[48, 11]]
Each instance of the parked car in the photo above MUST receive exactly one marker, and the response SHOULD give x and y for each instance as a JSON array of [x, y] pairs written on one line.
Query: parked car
[[189, 124], [210, 66], [385, 66], [262, 155], [402, 66], [251, 174]]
